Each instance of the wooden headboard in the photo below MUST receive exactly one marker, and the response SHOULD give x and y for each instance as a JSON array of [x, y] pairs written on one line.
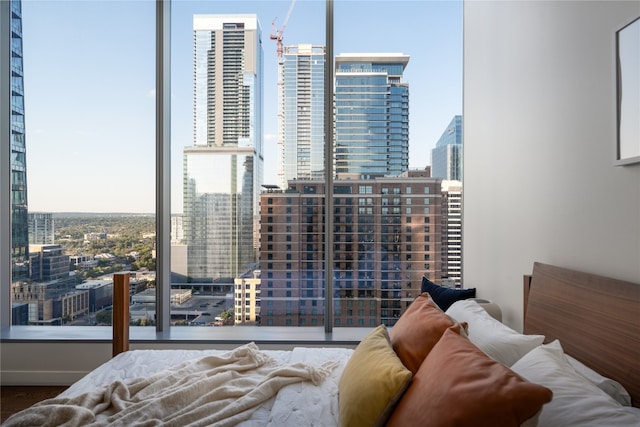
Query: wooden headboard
[[596, 319]]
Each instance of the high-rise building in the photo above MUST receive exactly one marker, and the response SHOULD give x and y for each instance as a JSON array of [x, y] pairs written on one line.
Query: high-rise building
[[223, 169], [19, 217], [177, 233], [387, 236], [301, 113], [371, 115], [41, 228], [446, 157], [452, 233]]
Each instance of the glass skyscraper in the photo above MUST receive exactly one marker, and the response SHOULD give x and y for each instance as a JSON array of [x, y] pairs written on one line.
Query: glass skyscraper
[[371, 116], [446, 157], [223, 169], [301, 113], [19, 215]]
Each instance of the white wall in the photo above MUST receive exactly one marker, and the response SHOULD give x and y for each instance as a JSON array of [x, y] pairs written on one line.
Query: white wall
[[539, 126]]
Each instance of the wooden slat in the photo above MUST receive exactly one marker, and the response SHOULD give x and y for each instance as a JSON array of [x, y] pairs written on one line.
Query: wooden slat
[[120, 313], [526, 287], [596, 319]]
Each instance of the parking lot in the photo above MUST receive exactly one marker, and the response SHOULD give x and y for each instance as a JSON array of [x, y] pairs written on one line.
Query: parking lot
[[199, 309]]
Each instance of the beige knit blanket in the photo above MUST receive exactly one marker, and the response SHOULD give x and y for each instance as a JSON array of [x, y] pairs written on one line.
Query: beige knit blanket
[[212, 391]]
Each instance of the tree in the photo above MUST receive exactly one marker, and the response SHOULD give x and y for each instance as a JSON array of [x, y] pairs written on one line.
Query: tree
[[143, 322], [104, 317], [227, 316]]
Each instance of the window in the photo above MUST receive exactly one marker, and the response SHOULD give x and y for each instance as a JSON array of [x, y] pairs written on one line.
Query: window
[[194, 202], [52, 122]]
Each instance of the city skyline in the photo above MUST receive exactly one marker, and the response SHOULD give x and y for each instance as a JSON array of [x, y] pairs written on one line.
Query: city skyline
[[103, 117]]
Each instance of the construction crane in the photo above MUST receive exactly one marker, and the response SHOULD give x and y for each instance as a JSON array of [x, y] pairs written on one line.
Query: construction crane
[[277, 34]]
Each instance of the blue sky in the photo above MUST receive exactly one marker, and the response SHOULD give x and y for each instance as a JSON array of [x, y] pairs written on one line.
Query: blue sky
[[89, 87]]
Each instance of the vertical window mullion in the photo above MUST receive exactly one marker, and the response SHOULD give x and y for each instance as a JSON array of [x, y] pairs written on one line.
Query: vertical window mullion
[[163, 165], [328, 137]]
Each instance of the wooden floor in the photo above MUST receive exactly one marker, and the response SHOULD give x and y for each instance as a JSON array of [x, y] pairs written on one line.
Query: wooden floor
[[16, 398]]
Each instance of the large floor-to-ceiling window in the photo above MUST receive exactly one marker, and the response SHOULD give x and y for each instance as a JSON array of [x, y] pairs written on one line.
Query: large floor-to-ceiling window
[[251, 222], [82, 149]]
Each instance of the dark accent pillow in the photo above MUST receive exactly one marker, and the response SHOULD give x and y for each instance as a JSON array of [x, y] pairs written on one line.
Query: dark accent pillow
[[444, 296]]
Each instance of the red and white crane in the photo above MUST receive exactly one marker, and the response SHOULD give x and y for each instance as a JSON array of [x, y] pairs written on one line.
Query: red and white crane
[[277, 34]]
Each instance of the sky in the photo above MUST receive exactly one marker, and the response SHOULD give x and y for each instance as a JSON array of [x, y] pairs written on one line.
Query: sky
[[90, 79]]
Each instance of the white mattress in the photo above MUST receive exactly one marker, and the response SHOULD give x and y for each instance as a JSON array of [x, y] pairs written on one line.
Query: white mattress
[[301, 404]]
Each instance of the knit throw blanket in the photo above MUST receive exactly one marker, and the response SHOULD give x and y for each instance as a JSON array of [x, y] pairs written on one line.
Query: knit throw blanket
[[212, 391]]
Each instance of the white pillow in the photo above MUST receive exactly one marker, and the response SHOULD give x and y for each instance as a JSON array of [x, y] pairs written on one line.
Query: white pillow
[[612, 387], [497, 340], [576, 400]]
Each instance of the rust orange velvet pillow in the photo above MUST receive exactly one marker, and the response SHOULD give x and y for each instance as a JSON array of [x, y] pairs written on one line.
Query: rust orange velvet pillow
[[418, 330], [459, 385]]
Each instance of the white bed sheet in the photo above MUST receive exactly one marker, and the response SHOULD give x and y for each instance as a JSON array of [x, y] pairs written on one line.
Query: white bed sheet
[[304, 404], [301, 404]]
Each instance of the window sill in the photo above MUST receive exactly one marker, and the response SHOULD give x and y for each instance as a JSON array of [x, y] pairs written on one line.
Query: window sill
[[271, 335]]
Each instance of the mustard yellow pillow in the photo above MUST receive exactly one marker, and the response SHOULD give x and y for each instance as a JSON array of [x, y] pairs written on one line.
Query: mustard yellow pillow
[[372, 382]]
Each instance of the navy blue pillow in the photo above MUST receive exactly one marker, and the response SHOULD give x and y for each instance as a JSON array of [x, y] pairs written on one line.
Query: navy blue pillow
[[444, 296]]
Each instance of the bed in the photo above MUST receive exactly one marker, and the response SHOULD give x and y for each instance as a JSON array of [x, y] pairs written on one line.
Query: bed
[[576, 364]]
